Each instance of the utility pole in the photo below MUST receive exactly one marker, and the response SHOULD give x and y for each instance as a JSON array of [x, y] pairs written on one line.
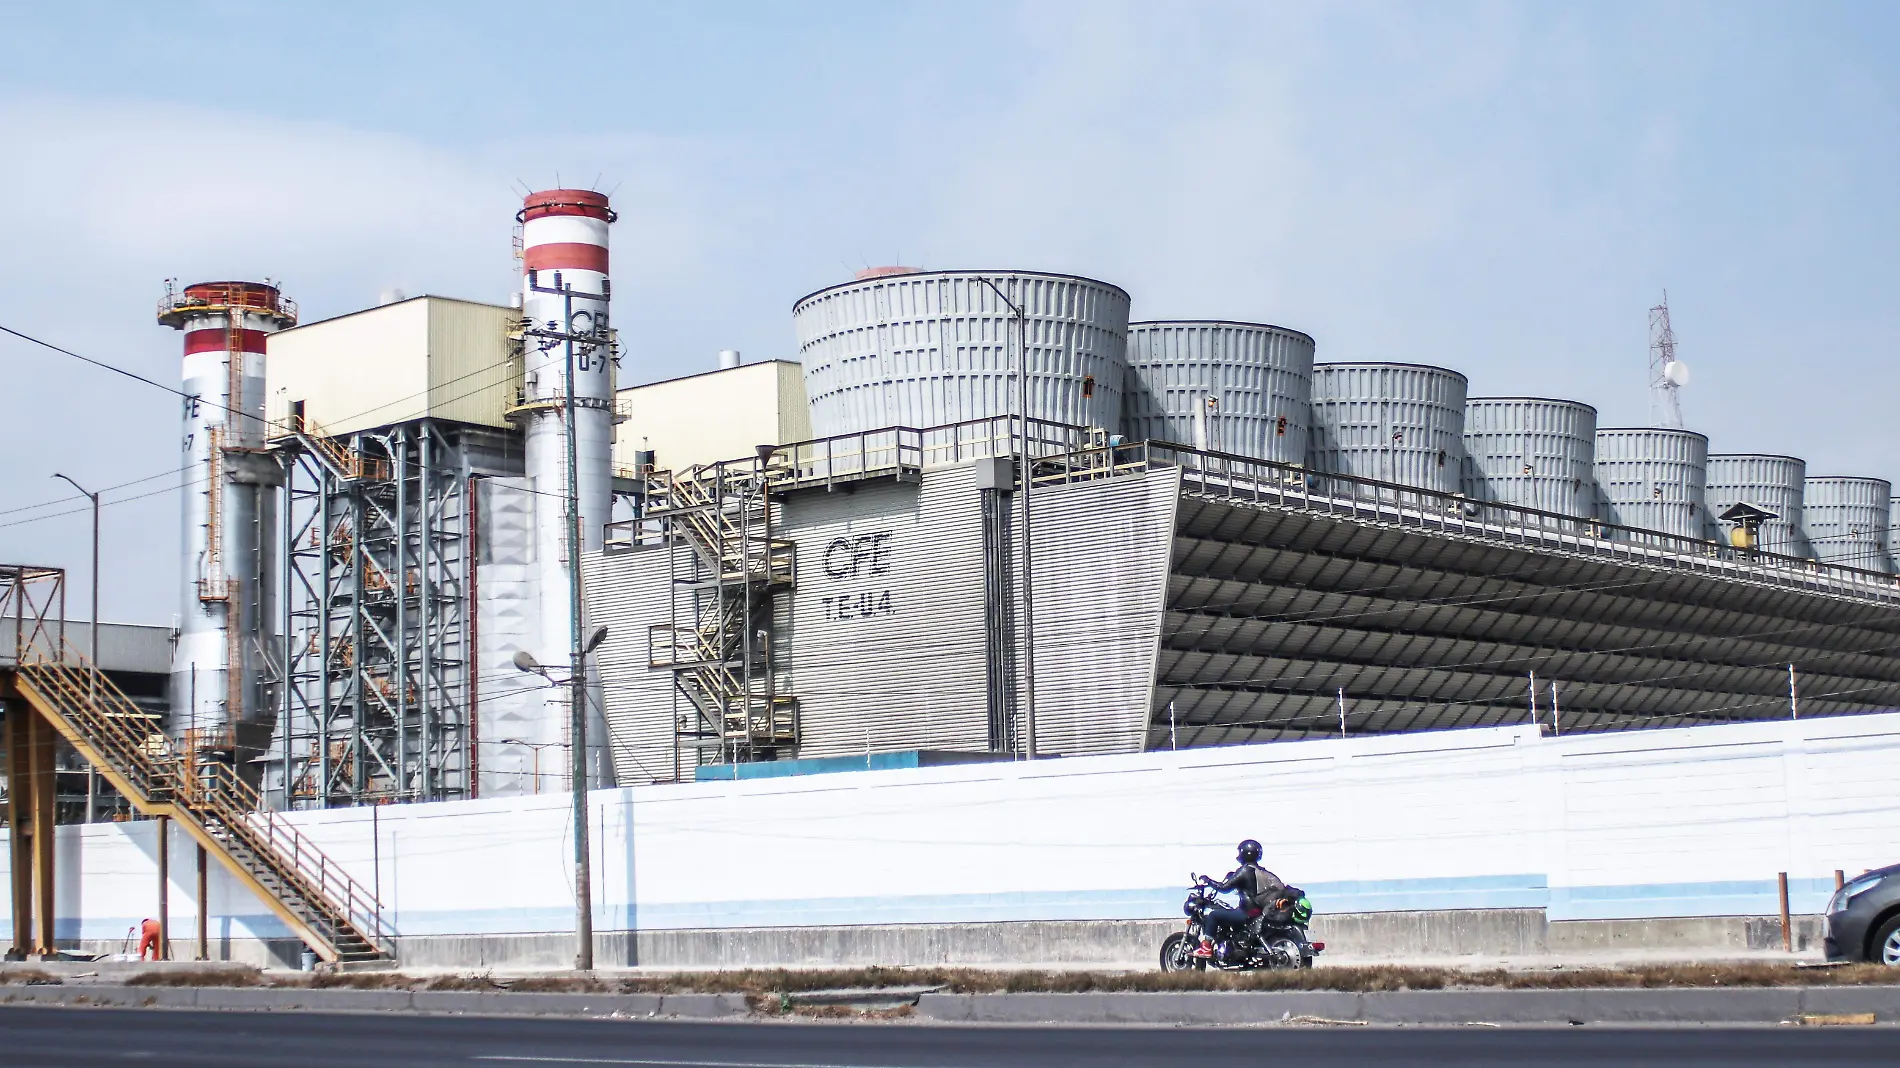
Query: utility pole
[[1342, 711], [1794, 698], [577, 681], [92, 653], [1020, 369]]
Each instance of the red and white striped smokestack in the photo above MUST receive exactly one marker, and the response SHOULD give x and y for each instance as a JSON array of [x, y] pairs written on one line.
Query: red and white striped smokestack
[[565, 230], [217, 673], [565, 296]]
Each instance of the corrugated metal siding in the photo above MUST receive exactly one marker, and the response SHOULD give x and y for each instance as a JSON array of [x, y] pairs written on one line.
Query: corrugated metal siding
[[1893, 536], [1394, 422], [883, 638], [1847, 519], [794, 411], [1260, 375], [1531, 452], [1771, 483], [1654, 479], [629, 593], [472, 373], [931, 348], [886, 652], [1101, 573]]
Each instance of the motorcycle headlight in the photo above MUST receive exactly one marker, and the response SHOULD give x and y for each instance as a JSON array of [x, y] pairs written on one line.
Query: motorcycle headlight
[[1846, 894]]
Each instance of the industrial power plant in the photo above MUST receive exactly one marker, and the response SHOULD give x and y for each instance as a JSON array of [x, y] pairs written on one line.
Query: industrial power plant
[[982, 513], [441, 550]]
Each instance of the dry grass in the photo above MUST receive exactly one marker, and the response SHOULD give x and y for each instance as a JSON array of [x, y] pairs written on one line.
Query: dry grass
[[24, 976], [765, 984]]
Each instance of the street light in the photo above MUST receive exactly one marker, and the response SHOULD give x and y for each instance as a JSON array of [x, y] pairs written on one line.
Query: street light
[[595, 335], [92, 654], [1020, 367], [535, 748], [577, 783]]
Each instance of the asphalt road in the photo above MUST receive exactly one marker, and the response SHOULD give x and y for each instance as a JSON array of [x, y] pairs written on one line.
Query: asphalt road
[[33, 1037]]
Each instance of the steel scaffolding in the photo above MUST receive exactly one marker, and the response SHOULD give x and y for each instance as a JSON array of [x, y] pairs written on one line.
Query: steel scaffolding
[[377, 695]]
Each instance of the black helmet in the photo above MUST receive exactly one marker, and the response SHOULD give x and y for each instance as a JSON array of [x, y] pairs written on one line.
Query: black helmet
[[1250, 852]]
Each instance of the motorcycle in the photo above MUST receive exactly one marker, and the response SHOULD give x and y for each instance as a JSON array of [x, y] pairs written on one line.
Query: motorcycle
[[1273, 939]]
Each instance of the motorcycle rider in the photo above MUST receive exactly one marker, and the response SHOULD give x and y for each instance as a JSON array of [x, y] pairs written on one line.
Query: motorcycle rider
[[1257, 886]]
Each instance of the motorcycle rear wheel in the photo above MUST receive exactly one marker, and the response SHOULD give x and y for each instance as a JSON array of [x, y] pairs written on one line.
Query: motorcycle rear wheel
[[1286, 954], [1177, 955]]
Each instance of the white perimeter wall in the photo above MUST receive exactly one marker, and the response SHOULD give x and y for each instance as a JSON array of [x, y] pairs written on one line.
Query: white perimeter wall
[[1684, 822]]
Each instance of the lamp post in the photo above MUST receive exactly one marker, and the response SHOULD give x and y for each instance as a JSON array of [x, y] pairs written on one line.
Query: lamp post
[[577, 676], [1020, 369], [535, 748], [577, 782], [92, 653]]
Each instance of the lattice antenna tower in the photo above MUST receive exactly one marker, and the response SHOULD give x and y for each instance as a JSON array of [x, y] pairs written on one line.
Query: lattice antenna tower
[[1667, 374]]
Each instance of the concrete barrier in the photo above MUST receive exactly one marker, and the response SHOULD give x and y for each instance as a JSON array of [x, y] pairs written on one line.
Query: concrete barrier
[[1444, 935]]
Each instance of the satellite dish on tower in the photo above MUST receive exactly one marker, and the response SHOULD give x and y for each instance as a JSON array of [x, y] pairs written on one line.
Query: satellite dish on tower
[[1666, 373]]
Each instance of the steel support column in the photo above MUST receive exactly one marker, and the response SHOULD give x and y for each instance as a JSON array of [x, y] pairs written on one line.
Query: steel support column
[[30, 745]]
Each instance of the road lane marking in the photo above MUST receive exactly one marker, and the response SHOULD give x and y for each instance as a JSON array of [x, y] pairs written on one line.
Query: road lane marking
[[662, 1063]]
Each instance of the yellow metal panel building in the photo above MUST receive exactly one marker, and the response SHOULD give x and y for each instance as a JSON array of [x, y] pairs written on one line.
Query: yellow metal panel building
[[422, 358], [718, 415]]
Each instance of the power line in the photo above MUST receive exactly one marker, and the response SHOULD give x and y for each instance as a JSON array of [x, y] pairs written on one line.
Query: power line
[[134, 376], [81, 497], [103, 504]]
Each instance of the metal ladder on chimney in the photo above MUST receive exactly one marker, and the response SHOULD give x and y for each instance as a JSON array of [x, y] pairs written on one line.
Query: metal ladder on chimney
[[330, 912], [720, 652]]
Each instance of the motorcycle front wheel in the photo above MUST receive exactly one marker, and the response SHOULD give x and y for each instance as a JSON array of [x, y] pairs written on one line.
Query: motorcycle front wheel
[[1177, 954]]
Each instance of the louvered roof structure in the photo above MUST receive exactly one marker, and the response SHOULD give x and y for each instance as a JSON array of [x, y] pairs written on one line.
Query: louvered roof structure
[[1428, 611]]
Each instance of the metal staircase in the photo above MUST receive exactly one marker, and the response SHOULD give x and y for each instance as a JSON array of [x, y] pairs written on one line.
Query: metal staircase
[[378, 693], [333, 914], [718, 643], [344, 462]]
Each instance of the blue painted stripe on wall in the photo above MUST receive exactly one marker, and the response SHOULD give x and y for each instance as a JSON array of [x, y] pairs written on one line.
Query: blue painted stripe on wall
[[1755, 897], [1739, 897]]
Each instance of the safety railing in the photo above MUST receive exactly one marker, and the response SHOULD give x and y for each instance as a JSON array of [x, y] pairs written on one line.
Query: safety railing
[[221, 296], [282, 860], [670, 645], [904, 451], [1290, 486], [345, 462], [321, 880]]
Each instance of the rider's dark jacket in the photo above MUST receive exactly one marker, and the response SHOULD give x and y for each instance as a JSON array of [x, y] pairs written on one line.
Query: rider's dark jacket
[[1257, 885]]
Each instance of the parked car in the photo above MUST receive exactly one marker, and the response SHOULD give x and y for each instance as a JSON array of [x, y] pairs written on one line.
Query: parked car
[[1863, 918]]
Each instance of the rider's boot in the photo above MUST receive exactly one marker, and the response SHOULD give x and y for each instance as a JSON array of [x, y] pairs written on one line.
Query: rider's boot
[[1205, 949]]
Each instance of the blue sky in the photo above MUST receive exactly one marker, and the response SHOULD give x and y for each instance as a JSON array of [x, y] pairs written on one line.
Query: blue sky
[[1500, 188]]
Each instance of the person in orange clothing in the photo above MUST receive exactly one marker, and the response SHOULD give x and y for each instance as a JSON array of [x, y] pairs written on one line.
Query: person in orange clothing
[[148, 938]]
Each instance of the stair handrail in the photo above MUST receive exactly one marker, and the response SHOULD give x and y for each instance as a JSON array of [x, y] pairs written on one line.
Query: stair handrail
[[235, 801], [216, 788], [113, 728]]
